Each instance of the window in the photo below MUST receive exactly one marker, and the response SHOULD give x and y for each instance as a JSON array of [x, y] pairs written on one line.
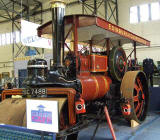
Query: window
[[155, 11], [17, 36], [12, 35], [3, 39], [134, 14], [0, 40], [144, 12], [8, 38]]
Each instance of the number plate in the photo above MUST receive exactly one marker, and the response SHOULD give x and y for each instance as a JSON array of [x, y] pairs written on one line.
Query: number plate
[[35, 91]]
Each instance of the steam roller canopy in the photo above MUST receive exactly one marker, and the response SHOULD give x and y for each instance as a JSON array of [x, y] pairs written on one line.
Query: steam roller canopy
[[117, 63], [134, 89]]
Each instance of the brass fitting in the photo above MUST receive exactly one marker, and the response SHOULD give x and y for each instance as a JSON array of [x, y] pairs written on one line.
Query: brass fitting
[[58, 3]]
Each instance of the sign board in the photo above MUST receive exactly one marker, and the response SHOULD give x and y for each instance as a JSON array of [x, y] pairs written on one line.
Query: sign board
[[29, 36], [42, 115]]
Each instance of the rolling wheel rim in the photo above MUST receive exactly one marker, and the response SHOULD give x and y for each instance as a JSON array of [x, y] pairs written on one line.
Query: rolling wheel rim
[[138, 98], [134, 87]]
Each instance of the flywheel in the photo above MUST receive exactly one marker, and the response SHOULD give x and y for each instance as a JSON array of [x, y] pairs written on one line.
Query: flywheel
[[117, 63], [134, 89]]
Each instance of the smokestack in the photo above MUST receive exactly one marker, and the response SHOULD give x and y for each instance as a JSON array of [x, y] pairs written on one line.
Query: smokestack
[[58, 12]]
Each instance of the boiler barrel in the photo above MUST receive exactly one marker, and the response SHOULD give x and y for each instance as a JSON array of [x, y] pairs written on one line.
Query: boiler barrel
[[94, 87]]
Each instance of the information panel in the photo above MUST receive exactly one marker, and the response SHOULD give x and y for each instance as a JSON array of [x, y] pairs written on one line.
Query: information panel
[[42, 115]]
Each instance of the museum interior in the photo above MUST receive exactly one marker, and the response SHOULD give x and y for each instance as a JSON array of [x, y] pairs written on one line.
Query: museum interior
[[79, 69]]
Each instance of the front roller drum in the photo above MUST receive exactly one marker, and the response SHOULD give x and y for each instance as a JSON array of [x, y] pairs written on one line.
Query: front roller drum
[[134, 89]]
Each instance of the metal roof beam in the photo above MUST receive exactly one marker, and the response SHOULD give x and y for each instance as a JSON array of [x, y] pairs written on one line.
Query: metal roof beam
[[4, 17], [73, 3], [113, 1], [6, 9], [9, 10], [19, 3], [36, 12], [37, 1]]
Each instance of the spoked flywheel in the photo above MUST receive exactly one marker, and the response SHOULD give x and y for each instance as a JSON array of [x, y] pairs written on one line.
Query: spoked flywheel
[[134, 89], [117, 63]]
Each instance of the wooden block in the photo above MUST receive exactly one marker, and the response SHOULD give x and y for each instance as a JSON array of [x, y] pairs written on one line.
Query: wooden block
[[134, 123]]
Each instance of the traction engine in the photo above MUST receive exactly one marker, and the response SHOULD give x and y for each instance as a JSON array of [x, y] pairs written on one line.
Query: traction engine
[[84, 80]]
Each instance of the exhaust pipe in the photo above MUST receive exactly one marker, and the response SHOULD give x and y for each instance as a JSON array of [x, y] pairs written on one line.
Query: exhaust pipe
[[58, 12]]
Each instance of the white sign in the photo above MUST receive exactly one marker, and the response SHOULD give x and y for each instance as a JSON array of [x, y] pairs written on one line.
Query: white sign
[[29, 36], [42, 115]]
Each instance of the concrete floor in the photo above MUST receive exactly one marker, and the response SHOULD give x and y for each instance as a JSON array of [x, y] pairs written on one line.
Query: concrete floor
[[148, 130]]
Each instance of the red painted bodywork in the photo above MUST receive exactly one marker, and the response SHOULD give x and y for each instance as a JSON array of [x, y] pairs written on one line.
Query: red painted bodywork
[[84, 63], [92, 69], [80, 106], [93, 63], [94, 87], [126, 109], [99, 63], [69, 92]]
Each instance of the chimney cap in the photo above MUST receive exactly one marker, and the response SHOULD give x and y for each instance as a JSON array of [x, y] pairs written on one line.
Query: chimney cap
[[58, 3], [62, 1]]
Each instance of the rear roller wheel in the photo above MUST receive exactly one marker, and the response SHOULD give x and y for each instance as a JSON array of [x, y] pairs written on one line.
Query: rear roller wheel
[[134, 89], [64, 123]]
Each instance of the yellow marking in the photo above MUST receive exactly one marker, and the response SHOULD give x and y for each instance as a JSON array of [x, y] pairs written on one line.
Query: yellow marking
[[94, 60], [99, 56], [81, 84], [97, 86], [99, 70], [106, 83], [72, 42], [126, 34]]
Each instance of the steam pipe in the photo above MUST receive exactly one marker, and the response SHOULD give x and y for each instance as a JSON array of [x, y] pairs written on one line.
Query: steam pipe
[[58, 12]]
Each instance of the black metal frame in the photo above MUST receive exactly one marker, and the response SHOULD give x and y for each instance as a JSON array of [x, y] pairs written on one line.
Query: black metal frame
[[110, 6], [20, 10]]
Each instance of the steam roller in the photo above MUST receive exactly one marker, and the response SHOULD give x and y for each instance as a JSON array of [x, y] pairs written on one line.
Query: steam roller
[[83, 81]]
